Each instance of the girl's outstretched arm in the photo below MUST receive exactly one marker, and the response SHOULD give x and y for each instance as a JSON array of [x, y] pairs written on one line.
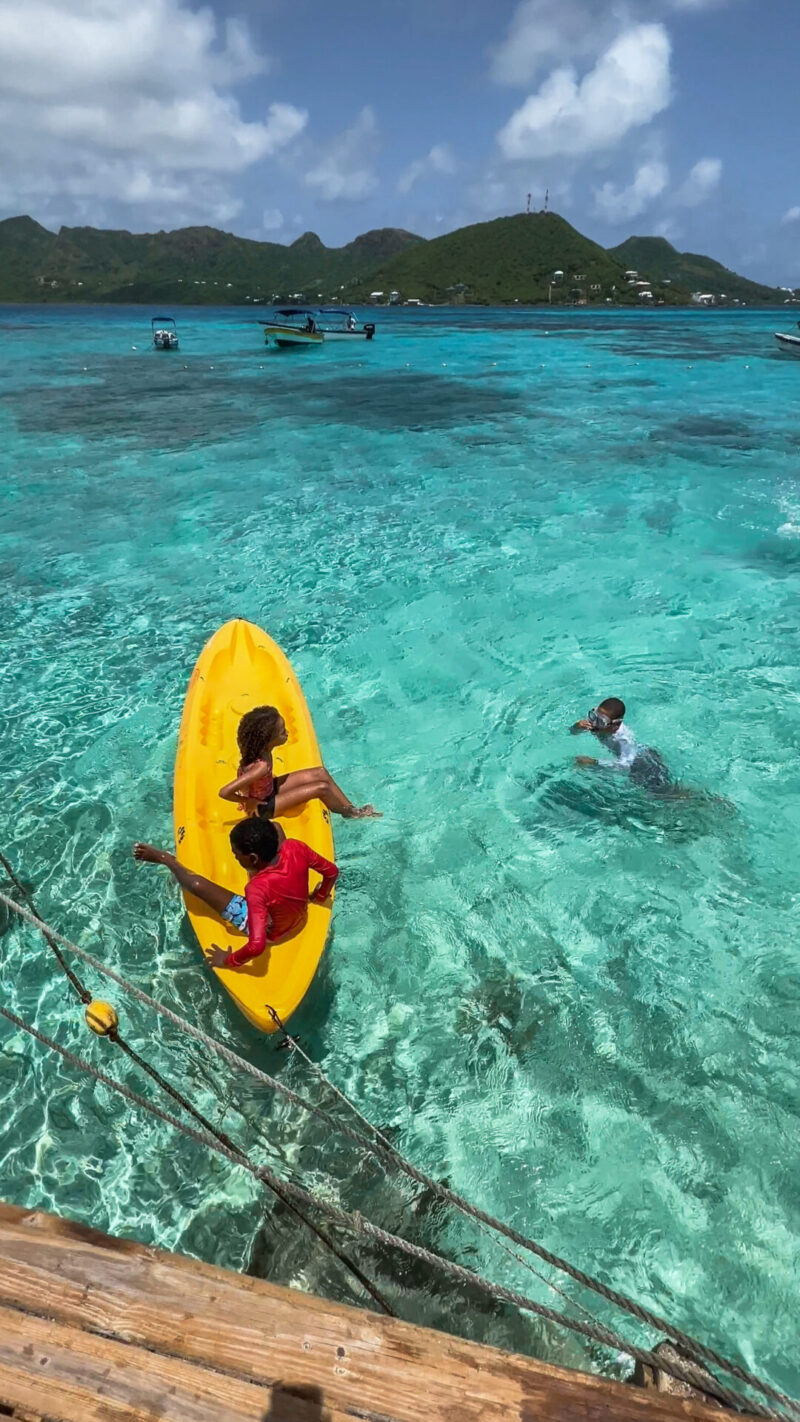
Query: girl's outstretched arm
[[237, 789]]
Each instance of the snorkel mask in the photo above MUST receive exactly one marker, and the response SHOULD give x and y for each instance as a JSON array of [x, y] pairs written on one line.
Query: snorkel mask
[[598, 720]]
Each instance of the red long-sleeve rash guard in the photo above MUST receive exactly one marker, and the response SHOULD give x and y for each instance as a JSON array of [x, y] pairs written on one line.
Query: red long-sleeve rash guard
[[277, 897]]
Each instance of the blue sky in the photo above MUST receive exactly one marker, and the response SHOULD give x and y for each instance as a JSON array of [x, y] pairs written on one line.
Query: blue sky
[[273, 117]]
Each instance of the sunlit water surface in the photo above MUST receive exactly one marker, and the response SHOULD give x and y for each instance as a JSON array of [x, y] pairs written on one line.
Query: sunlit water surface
[[575, 1001]]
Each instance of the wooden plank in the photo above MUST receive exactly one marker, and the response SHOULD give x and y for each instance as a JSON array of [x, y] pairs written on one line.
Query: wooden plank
[[74, 1376], [262, 1334]]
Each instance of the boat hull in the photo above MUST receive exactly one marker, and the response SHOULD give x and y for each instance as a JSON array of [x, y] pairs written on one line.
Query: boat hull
[[284, 337], [789, 344], [348, 335]]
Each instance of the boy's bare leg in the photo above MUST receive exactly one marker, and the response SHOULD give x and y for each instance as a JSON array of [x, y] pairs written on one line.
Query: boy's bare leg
[[210, 893]]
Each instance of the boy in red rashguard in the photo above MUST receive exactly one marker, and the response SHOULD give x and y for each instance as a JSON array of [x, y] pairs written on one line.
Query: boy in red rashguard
[[276, 896]]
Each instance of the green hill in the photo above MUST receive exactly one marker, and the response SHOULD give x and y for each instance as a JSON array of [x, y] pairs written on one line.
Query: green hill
[[508, 259], [194, 264], [528, 258], [656, 259]]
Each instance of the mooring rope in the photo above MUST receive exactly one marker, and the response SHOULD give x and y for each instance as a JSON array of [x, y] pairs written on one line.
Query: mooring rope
[[82, 992], [115, 1036], [355, 1223], [235, 1150], [382, 1148], [112, 1033], [390, 1152]]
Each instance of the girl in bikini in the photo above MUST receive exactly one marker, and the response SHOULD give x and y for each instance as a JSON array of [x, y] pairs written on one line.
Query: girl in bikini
[[262, 793]]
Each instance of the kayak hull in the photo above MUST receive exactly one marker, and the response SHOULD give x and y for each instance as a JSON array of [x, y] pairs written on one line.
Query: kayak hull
[[239, 668]]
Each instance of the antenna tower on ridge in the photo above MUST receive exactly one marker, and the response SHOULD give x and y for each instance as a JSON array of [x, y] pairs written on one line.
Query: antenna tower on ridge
[[546, 199], [528, 208]]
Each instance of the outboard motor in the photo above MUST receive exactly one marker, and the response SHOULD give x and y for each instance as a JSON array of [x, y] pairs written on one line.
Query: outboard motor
[[369, 329]]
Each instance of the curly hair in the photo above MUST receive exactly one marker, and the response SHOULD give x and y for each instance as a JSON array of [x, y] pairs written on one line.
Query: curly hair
[[255, 731], [256, 836]]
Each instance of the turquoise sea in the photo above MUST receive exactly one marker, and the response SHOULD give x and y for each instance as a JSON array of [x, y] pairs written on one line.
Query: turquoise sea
[[576, 1001]]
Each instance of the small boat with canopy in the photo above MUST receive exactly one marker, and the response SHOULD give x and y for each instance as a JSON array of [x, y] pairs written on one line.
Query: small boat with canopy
[[165, 334], [312, 326], [292, 326], [339, 324]]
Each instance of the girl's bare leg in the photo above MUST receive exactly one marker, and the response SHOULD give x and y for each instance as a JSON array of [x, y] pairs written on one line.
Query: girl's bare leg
[[210, 893], [318, 784]]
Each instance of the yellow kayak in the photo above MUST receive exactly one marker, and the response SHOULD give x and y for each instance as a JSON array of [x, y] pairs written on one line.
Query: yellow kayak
[[241, 667]]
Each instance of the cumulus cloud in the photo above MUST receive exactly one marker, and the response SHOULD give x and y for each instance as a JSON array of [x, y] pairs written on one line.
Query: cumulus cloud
[[793, 215], [344, 169], [544, 33], [627, 87], [701, 182], [272, 220], [439, 159], [617, 204], [669, 229], [128, 105]]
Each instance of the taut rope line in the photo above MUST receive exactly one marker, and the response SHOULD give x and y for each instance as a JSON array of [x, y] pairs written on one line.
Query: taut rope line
[[376, 1145], [118, 1040], [82, 992], [357, 1224], [235, 1150]]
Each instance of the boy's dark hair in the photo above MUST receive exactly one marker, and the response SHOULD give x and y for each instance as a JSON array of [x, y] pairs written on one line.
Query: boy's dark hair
[[255, 836], [255, 731], [613, 707]]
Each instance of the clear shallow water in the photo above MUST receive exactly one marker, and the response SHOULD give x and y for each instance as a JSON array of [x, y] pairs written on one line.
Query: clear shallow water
[[578, 1003]]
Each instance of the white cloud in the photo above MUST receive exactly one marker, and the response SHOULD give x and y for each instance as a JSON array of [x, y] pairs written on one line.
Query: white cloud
[[793, 215], [616, 204], [628, 86], [543, 33], [669, 229], [272, 220], [108, 104], [439, 159], [345, 166], [284, 122], [701, 182], [549, 31]]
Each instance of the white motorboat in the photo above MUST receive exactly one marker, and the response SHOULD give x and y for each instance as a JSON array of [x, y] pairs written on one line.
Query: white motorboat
[[790, 344], [339, 324], [165, 334]]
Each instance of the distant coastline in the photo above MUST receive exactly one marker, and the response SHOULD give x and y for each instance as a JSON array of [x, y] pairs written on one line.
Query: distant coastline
[[531, 259]]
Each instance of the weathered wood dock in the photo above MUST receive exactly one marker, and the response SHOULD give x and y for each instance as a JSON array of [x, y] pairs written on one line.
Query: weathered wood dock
[[98, 1329]]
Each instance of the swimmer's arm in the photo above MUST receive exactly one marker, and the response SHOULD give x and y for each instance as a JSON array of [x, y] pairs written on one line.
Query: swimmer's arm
[[605, 764], [237, 789], [580, 726]]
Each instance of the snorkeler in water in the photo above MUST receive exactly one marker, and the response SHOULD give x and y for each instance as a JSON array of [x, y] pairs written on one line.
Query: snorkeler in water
[[644, 765], [262, 793]]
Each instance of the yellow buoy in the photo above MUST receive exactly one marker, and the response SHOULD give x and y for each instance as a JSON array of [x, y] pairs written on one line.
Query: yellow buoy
[[101, 1018]]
